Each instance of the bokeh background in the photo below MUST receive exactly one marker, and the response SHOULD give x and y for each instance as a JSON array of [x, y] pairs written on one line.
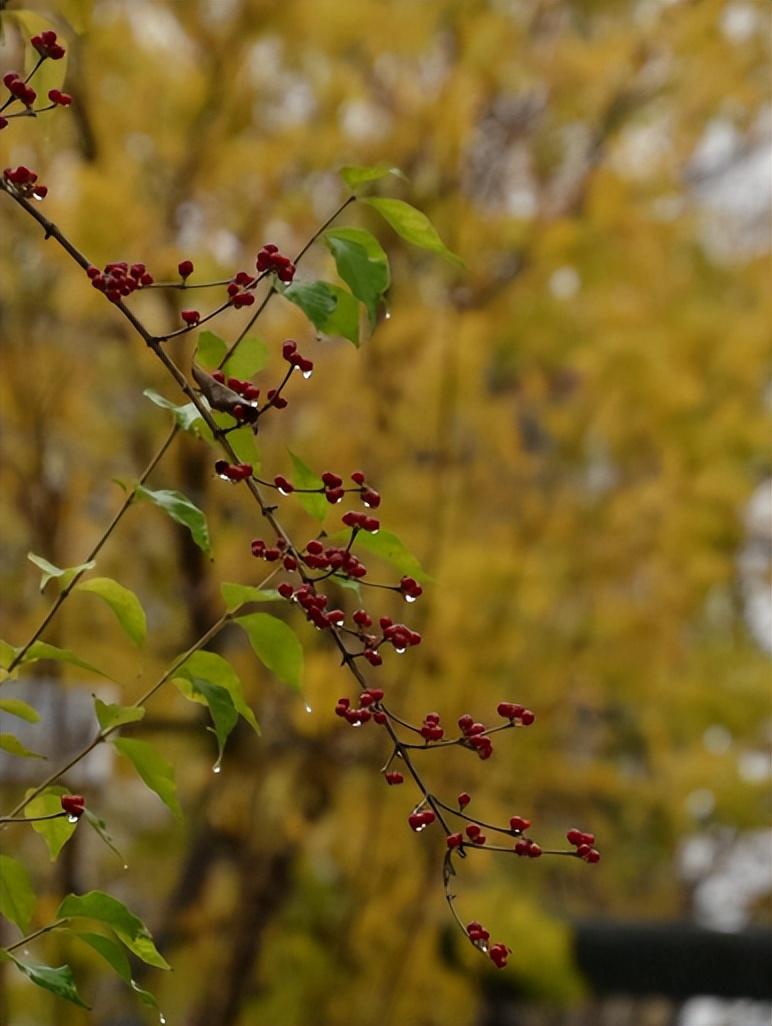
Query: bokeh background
[[572, 435]]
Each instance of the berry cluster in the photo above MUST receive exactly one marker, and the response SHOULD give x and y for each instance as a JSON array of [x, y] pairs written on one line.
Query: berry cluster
[[419, 820], [584, 845], [119, 280], [248, 411], [270, 259], [369, 708], [24, 182], [48, 46], [233, 471], [479, 936], [289, 351], [19, 90]]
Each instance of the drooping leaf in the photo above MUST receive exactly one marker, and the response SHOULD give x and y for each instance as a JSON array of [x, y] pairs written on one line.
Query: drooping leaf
[[387, 546], [221, 708], [116, 957], [16, 707], [413, 226], [214, 669], [344, 320], [362, 263], [100, 827], [42, 650], [59, 981], [303, 477], [111, 716], [12, 745], [211, 349], [236, 595], [355, 175], [128, 928], [181, 510], [17, 898], [186, 416], [316, 299], [157, 773], [250, 358], [276, 645], [123, 602], [55, 832], [63, 575]]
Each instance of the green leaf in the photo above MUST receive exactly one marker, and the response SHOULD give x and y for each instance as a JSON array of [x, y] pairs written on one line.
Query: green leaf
[[344, 320], [182, 510], [186, 416], [211, 667], [250, 358], [157, 773], [115, 956], [236, 595], [413, 225], [388, 547], [7, 654], [276, 646], [16, 707], [303, 477], [100, 827], [123, 602], [355, 175], [221, 709], [59, 981], [111, 716], [316, 299], [211, 349], [362, 263], [55, 832], [12, 745], [128, 928], [50, 571], [17, 898], [244, 444], [42, 650]]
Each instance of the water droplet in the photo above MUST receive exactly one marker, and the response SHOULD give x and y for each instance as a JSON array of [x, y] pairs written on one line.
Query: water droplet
[[307, 374], [162, 1019], [421, 828], [387, 315], [410, 598], [308, 708], [72, 819], [125, 865], [483, 947], [400, 651], [217, 768], [282, 491], [366, 503]]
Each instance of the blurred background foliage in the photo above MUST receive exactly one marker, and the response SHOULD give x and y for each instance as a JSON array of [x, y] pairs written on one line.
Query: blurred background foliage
[[572, 435]]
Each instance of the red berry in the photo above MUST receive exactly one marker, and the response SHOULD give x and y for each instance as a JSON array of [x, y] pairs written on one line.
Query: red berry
[[592, 855], [185, 268], [527, 717], [358, 477], [286, 590], [394, 777], [454, 840], [190, 316], [73, 804], [519, 824], [464, 799]]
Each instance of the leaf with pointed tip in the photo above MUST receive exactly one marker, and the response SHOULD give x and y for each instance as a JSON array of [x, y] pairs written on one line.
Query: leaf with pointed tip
[[17, 898], [16, 707], [123, 602], [116, 957], [303, 477], [214, 669], [55, 832], [362, 264], [59, 981], [236, 595], [276, 646], [186, 416], [128, 928], [100, 827], [12, 745], [63, 575], [355, 175], [157, 773], [210, 350], [111, 716], [413, 226], [41, 650], [182, 510], [221, 709]]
